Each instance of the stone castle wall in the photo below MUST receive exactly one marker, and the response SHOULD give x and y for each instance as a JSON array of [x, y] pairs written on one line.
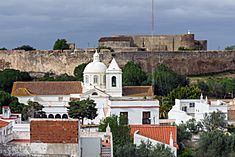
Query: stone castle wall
[[155, 42], [188, 63]]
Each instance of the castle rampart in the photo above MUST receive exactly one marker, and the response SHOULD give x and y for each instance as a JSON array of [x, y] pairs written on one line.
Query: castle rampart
[[189, 63]]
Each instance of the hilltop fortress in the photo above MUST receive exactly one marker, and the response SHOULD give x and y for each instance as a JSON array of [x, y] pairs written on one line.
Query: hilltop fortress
[[148, 51], [155, 42]]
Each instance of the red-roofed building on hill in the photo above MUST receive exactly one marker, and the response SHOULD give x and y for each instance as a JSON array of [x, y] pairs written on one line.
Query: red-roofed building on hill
[[156, 134], [57, 137]]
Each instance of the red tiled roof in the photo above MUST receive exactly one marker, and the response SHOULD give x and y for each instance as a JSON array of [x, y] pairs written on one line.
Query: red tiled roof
[[53, 131], [3, 123], [156, 132], [46, 88], [138, 91]]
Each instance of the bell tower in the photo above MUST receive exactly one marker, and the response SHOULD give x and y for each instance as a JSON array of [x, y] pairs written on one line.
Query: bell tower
[[114, 80]]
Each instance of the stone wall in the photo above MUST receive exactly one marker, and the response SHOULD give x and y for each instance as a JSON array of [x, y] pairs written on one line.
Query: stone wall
[[155, 42], [189, 63]]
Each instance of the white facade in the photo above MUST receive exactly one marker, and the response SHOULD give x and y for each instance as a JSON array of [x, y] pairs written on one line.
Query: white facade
[[54, 105], [186, 109], [135, 110]]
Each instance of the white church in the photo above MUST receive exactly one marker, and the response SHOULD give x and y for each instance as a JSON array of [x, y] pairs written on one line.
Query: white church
[[103, 85]]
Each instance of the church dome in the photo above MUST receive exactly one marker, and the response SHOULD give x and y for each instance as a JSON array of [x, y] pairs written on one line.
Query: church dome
[[96, 66]]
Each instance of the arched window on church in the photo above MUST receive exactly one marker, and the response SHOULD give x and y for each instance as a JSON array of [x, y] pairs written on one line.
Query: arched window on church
[[114, 81], [95, 79], [87, 79]]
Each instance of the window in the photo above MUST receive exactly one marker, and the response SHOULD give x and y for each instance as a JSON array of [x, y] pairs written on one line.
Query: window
[[184, 108], [94, 93], [60, 98], [125, 116], [51, 116], [58, 116], [114, 81], [146, 118], [191, 104], [104, 79], [65, 116], [87, 79], [95, 79]]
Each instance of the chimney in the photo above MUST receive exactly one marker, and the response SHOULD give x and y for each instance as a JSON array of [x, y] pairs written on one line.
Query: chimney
[[6, 112]]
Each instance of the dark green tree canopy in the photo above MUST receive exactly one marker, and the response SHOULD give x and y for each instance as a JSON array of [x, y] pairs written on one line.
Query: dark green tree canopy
[[3, 48], [187, 92], [165, 80], [52, 77], [9, 76], [61, 44], [25, 47], [78, 71], [82, 109], [215, 121], [230, 47], [7, 100], [216, 144], [133, 75], [33, 110]]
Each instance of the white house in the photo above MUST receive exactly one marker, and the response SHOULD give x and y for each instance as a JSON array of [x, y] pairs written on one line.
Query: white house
[[186, 109], [102, 84], [5, 131]]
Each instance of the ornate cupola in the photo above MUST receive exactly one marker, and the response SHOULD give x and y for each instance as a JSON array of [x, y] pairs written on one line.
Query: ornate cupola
[[94, 74]]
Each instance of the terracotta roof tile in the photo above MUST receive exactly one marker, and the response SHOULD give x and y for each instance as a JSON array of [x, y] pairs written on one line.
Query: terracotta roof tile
[[46, 88], [156, 132], [54, 131], [3, 123], [138, 91]]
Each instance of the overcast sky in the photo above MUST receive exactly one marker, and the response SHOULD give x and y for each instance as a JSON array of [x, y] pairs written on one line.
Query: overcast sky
[[40, 22]]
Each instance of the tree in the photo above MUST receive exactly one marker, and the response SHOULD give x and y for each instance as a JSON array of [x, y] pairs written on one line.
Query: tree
[[230, 47], [133, 75], [25, 47], [78, 71], [33, 110], [9, 76], [3, 48], [183, 134], [216, 143], [82, 109], [62, 77], [187, 92], [215, 121], [120, 131], [61, 44], [126, 150], [194, 126], [7, 100], [161, 150], [165, 80]]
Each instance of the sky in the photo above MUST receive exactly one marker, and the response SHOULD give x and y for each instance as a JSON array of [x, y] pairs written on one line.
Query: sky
[[40, 23]]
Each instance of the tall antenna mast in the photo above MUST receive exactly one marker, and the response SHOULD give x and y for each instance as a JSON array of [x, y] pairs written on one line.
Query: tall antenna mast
[[153, 17], [152, 42]]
